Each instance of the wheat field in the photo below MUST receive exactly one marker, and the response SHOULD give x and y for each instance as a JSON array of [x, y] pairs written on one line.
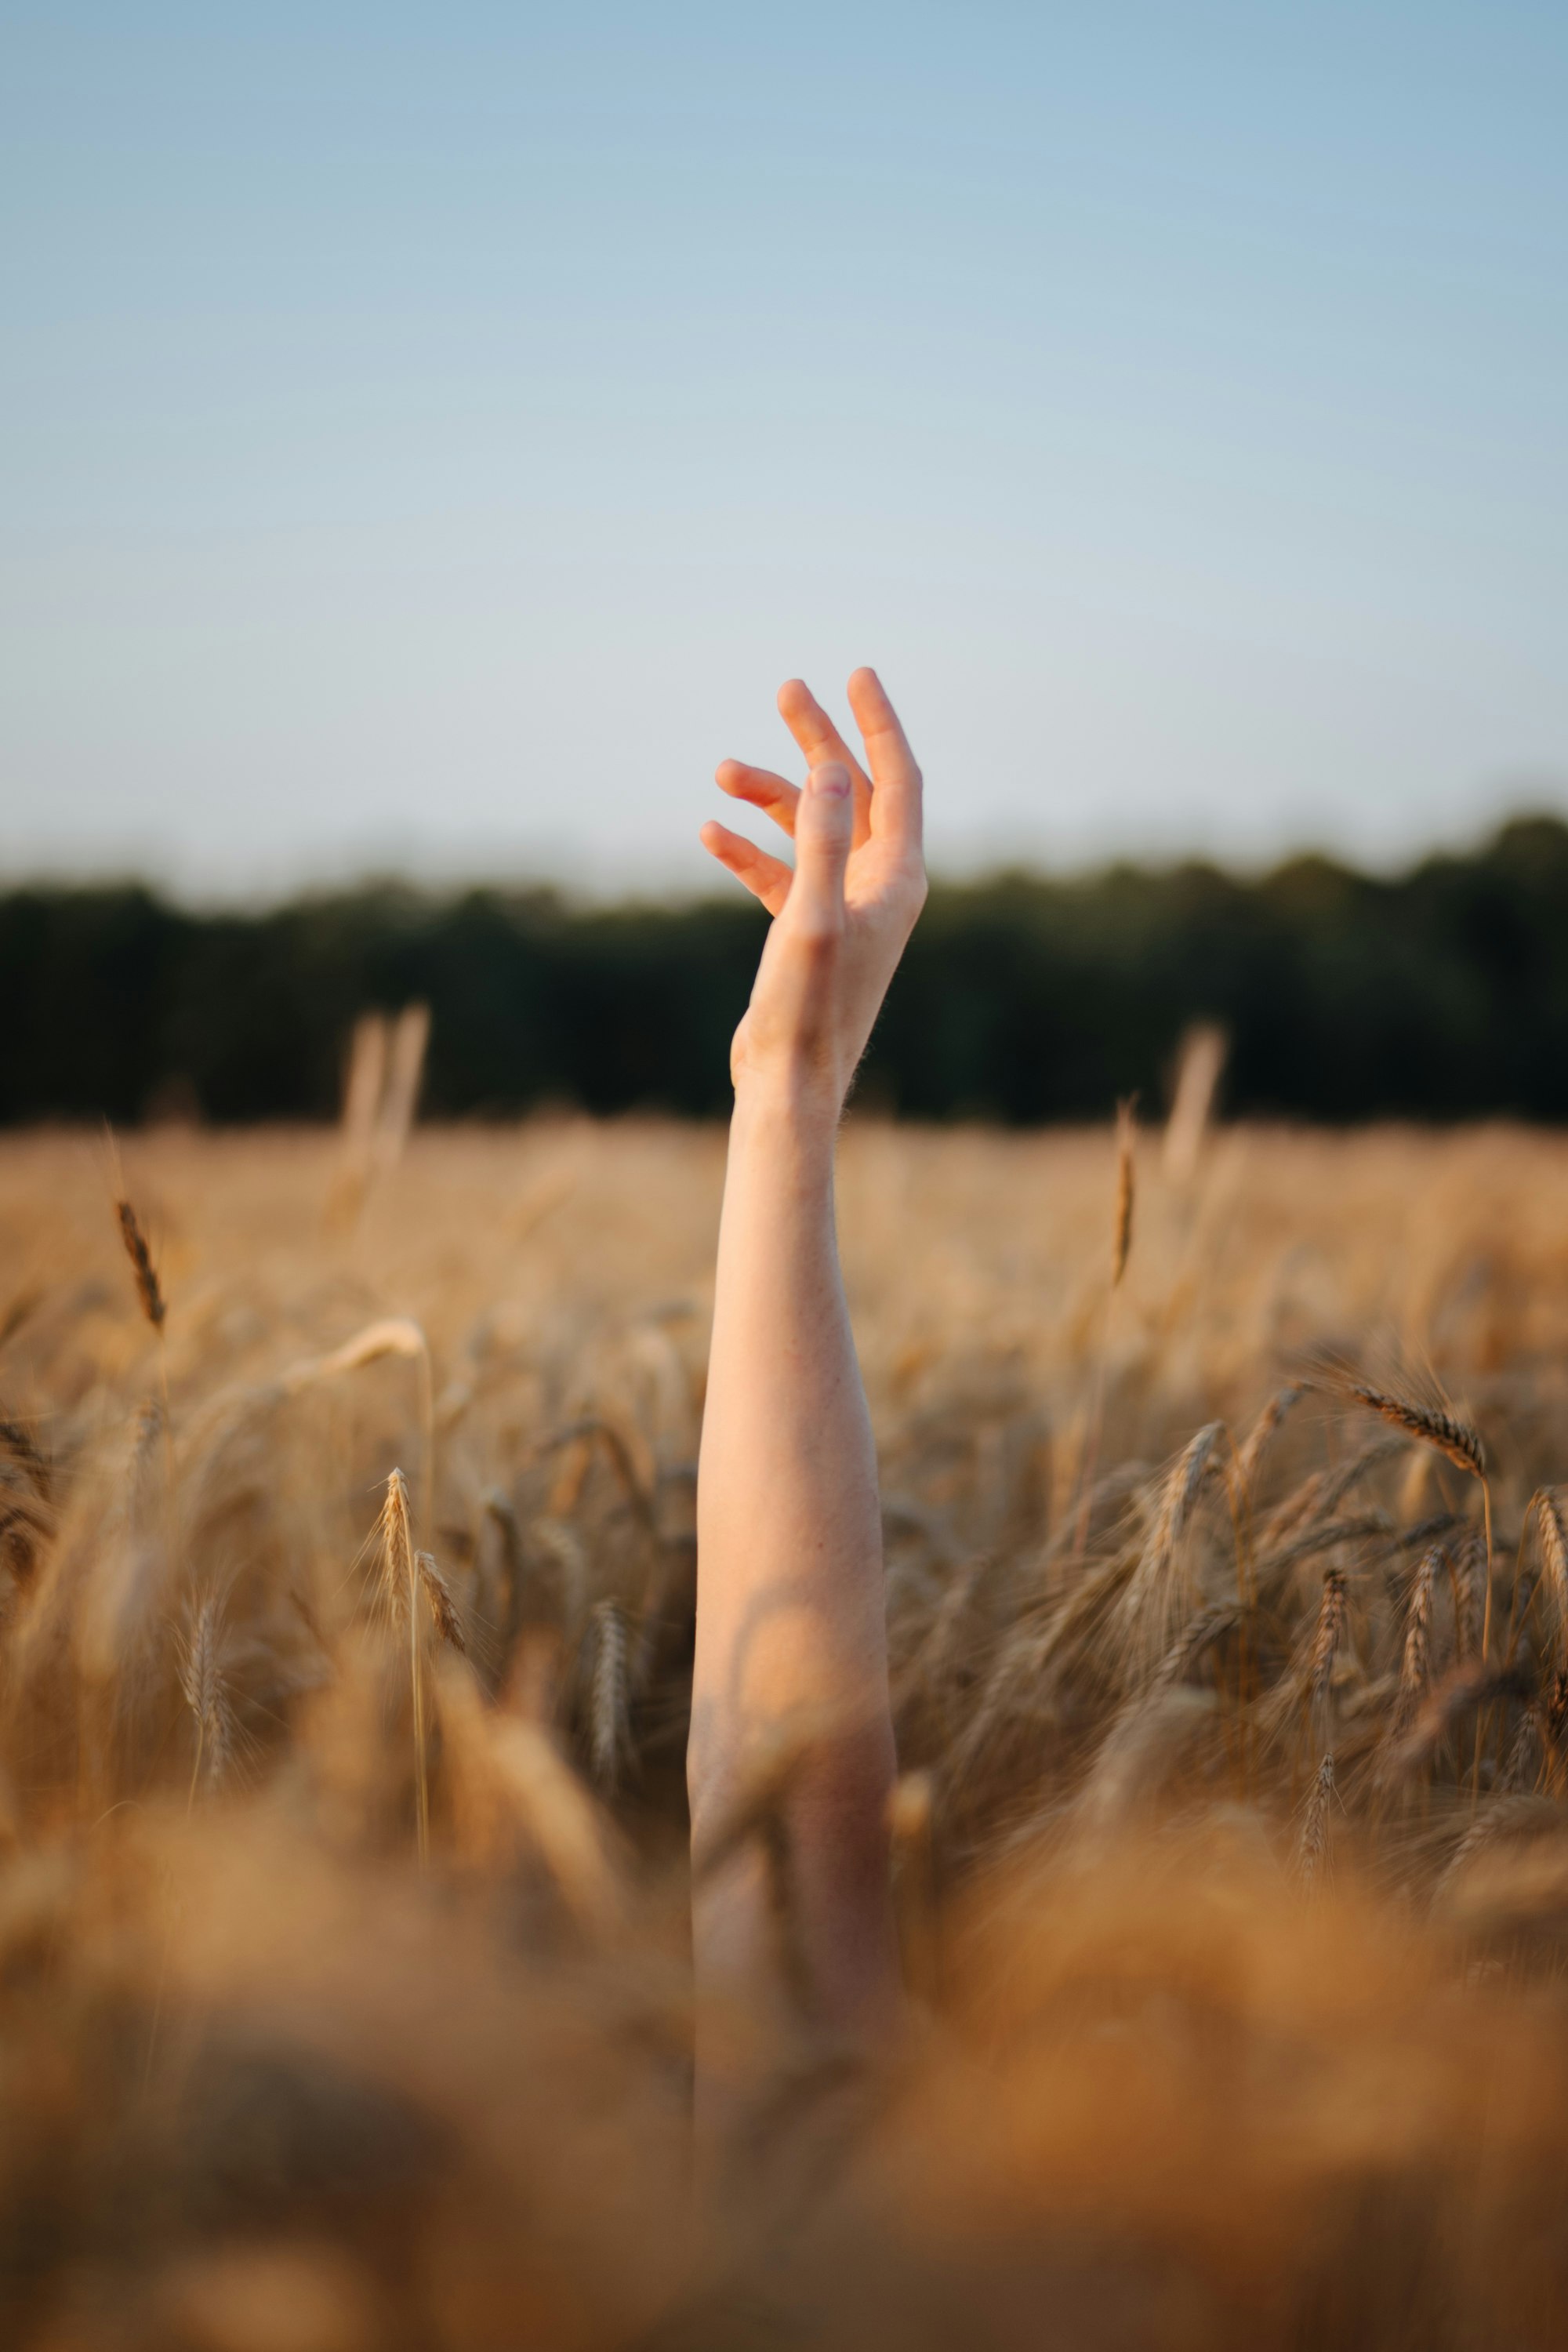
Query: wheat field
[[346, 1623]]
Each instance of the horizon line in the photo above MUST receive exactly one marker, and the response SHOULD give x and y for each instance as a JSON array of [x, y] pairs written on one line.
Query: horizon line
[[576, 892]]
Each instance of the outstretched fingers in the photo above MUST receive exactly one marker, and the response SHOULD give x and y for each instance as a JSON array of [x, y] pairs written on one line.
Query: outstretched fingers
[[896, 811], [765, 790], [767, 878], [821, 742]]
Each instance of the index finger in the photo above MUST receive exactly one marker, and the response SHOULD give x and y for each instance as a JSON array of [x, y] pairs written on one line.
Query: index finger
[[897, 804]]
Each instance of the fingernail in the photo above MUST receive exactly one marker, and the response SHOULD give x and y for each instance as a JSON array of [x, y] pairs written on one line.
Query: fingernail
[[832, 781]]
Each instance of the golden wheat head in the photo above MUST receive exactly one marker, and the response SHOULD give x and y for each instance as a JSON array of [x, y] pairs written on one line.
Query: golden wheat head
[[141, 1267]]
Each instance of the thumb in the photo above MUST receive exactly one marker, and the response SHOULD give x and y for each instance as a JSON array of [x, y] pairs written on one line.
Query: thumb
[[823, 827]]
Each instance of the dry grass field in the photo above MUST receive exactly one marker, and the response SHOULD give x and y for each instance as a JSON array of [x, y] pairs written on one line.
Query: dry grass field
[[344, 1993]]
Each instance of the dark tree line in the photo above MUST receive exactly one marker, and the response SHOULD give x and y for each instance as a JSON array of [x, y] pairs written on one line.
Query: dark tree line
[[1442, 993]]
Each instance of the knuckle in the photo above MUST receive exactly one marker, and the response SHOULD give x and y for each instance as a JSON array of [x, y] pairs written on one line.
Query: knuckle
[[817, 923]]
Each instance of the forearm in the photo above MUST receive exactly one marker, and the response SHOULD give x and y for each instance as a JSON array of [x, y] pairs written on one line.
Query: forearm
[[790, 1623]]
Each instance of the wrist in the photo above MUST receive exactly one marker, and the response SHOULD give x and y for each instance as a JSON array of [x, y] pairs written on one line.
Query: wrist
[[795, 1108]]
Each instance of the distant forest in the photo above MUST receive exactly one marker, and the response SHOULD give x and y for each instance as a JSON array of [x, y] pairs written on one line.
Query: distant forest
[[1440, 994]]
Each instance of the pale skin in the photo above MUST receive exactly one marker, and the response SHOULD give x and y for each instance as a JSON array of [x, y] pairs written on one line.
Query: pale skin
[[790, 1622]]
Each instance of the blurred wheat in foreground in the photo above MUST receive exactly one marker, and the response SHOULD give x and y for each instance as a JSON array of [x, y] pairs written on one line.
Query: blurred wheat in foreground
[[347, 1611]]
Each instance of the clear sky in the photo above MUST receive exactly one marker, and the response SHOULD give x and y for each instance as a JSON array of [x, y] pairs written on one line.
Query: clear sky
[[427, 436]]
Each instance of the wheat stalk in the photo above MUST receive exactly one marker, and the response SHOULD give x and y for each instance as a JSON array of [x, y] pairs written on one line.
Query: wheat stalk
[[408, 1037], [1327, 1538], [1203, 1052], [1200, 1634], [1337, 1483], [364, 1082], [910, 1807], [1299, 1508], [1083, 1482]]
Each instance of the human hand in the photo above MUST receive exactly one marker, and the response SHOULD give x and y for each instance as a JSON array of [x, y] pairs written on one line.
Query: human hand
[[842, 916]]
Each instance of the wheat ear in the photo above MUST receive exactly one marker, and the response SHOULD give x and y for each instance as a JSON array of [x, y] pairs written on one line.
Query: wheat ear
[[151, 1296], [1415, 1666], [1554, 1725], [205, 1691], [443, 1607], [1332, 1611], [1458, 1441], [1258, 1435], [1177, 1497], [607, 1710], [1312, 1846], [400, 1582], [1546, 1509], [154, 1307], [1431, 1423], [1126, 1187]]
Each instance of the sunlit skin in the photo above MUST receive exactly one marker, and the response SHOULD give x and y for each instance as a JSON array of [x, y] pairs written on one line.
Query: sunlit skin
[[790, 1624]]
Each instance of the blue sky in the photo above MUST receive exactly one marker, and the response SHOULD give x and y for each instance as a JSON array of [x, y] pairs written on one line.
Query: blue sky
[[430, 435]]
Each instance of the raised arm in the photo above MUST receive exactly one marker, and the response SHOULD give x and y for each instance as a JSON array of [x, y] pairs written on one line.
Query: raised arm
[[791, 1644]]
